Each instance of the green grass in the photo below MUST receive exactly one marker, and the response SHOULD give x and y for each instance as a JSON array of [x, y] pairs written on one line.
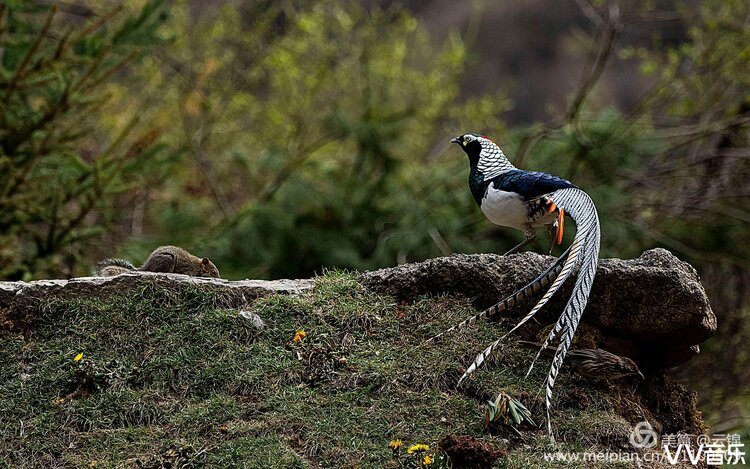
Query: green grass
[[168, 379]]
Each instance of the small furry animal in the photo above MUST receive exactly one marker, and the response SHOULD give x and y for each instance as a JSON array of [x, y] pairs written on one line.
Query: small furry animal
[[170, 259], [594, 364]]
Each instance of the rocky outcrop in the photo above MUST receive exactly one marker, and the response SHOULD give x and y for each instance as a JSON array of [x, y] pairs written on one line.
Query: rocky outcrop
[[15, 297], [652, 308]]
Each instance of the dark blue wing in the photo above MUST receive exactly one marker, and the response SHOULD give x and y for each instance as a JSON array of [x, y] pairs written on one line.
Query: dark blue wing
[[529, 184]]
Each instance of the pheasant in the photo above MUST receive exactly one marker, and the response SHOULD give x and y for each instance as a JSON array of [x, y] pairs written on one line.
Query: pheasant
[[525, 200]]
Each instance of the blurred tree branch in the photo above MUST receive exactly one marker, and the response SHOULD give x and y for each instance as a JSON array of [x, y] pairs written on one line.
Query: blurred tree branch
[[52, 79], [607, 33]]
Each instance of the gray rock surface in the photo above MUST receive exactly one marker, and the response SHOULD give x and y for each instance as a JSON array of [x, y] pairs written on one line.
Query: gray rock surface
[[15, 296], [652, 308]]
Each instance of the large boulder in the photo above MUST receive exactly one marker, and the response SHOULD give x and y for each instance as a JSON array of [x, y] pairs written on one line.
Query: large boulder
[[652, 308]]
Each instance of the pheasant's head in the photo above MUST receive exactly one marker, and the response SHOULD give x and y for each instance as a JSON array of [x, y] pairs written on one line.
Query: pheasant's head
[[484, 154], [471, 144]]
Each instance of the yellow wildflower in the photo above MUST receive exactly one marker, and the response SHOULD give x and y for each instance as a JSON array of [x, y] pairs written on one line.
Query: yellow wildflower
[[78, 357], [299, 335], [427, 460], [418, 447], [395, 444]]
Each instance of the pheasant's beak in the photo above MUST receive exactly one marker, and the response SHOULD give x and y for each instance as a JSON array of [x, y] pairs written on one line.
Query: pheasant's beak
[[456, 140]]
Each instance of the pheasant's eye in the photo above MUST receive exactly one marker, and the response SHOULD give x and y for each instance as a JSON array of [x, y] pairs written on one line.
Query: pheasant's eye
[[468, 139]]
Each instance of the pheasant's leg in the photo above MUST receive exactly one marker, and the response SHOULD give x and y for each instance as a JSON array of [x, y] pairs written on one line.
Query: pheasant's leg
[[530, 234], [552, 231], [519, 246]]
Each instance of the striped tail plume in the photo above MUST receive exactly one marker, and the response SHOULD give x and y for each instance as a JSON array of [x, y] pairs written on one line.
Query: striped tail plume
[[581, 208], [532, 288], [584, 251], [567, 267]]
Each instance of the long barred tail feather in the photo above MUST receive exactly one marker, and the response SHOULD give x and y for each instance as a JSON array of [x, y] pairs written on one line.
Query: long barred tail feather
[[581, 208], [567, 267], [570, 263], [479, 360], [583, 252], [535, 286]]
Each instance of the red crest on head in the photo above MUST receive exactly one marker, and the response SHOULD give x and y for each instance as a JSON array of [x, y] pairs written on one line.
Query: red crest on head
[[484, 136]]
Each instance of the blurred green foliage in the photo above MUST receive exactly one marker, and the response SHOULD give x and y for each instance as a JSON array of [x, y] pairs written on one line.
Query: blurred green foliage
[[675, 172], [59, 173], [705, 88], [314, 134], [310, 131]]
